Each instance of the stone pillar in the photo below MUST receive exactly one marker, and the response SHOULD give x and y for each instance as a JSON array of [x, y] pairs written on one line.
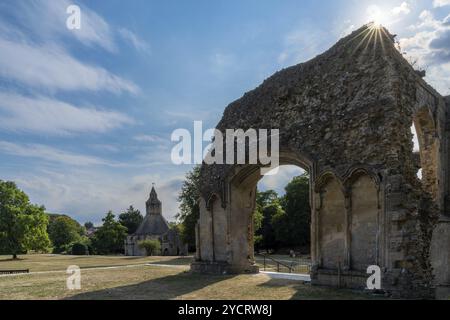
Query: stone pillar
[[440, 258], [197, 242], [225, 249], [348, 230]]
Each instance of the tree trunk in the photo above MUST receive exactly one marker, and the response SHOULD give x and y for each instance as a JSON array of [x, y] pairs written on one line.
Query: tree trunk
[[14, 256]]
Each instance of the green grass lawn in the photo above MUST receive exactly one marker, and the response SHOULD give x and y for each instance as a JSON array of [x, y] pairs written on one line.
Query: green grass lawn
[[137, 281], [53, 262]]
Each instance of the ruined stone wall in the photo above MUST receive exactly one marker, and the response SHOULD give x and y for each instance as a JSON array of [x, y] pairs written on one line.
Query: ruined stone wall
[[365, 227], [351, 107], [332, 226]]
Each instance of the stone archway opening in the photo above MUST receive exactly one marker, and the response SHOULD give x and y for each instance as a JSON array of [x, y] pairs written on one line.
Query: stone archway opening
[[243, 192], [426, 151], [285, 225], [283, 215], [416, 151]]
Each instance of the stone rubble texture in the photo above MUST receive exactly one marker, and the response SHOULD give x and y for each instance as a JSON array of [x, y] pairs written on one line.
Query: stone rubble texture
[[346, 117]]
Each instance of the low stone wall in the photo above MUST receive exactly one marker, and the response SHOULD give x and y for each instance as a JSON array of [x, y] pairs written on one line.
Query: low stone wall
[[217, 268]]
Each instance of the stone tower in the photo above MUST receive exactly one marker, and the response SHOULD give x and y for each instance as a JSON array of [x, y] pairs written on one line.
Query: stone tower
[[155, 227], [153, 204]]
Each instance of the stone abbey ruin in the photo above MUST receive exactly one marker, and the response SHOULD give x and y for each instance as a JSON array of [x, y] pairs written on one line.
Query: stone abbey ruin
[[346, 118]]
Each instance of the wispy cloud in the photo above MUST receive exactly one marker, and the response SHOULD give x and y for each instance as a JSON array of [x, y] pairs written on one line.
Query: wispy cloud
[[149, 138], [46, 115], [278, 181], [138, 43], [51, 67], [441, 3], [300, 45], [46, 20], [87, 194], [404, 8], [430, 47], [49, 154]]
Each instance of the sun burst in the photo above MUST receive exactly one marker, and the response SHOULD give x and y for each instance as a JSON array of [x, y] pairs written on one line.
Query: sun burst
[[377, 16]]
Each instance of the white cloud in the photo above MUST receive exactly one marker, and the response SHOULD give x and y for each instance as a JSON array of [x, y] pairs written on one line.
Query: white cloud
[[49, 154], [441, 3], [430, 47], [404, 8], [45, 115], [346, 29], [87, 194], [139, 44], [148, 138], [53, 68], [439, 77], [278, 181], [46, 20], [300, 45]]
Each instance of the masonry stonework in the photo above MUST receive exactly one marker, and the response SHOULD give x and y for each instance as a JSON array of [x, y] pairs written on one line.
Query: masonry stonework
[[346, 118]]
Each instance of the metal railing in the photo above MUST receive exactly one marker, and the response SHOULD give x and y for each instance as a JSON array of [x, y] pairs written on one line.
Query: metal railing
[[301, 266], [278, 263]]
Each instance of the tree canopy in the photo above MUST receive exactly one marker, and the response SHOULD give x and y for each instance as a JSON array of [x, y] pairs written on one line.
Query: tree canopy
[[109, 238], [151, 246], [63, 231], [293, 228], [131, 219], [189, 206], [23, 226], [88, 225], [285, 220]]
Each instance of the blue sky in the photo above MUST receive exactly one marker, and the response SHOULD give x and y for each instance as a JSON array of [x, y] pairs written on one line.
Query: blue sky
[[86, 115]]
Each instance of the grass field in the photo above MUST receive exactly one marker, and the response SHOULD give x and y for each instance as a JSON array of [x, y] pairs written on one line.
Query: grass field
[[130, 278], [54, 262]]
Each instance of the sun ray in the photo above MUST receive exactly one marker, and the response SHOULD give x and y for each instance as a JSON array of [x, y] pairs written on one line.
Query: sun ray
[[383, 48], [367, 34], [372, 33]]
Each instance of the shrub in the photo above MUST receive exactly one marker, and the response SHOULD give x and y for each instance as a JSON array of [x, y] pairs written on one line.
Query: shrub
[[79, 249], [151, 247]]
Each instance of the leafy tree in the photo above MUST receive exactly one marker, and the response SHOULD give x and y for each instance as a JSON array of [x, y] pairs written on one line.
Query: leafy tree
[[293, 228], [79, 249], [266, 198], [262, 220], [151, 247], [189, 206], [63, 231], [23, 226], [131, 219], [268, 232], [110, 237], [88, 225]]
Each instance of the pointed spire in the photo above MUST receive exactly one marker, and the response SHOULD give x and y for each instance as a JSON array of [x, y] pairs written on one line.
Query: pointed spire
[[153, 194], [153, 204]]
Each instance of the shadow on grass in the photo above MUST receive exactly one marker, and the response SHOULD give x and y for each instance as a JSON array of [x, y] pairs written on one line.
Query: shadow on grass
[[305, 291], [12, 260], [164, 288], [180, 261]]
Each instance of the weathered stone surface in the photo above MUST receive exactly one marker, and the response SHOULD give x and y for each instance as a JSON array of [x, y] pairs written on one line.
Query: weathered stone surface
[[346, 117]]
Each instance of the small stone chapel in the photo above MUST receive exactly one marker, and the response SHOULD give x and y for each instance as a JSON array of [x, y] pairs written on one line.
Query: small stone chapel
[[155, 226]]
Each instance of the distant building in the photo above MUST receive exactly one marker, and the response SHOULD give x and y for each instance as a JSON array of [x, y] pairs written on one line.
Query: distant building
[[91, 231], [155, 226]]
